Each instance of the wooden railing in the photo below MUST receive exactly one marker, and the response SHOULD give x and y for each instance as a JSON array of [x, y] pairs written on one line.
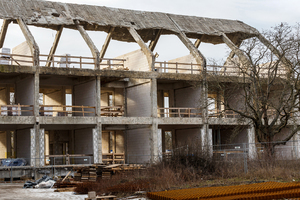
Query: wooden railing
[[223, 114], [175, 67], [67, 157], [179, 112], [16, 110], [67, 61], [63, 110], [113, 158], [112, 111], [15, 59]]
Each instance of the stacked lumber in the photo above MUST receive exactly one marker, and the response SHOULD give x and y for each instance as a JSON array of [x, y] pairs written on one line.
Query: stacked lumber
[[85, 174], [59, 184], [92, 196], [68, 189]]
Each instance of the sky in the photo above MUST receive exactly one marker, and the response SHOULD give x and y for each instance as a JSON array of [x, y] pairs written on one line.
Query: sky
[[260, 14]]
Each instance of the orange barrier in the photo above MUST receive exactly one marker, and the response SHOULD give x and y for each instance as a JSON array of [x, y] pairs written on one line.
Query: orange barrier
[[267, 190]]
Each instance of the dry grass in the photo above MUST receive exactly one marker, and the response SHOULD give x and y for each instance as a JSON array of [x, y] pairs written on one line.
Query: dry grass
[[186, 170]]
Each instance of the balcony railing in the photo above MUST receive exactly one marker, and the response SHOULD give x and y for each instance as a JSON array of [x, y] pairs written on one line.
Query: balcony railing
[[16, 110], [112, 111], [222, 114], [62, 61], [63, 110], [179, 112], [175, 67]]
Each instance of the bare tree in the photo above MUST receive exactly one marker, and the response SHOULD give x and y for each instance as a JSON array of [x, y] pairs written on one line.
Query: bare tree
[[261, 85]]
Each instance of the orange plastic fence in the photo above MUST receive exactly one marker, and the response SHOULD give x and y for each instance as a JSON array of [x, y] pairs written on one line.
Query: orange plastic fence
[[266, 190]]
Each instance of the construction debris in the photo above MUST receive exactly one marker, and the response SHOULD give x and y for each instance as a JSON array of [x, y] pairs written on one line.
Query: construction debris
[[44, 182]]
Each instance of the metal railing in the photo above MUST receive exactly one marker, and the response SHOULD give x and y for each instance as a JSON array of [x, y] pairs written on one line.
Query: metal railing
[[179, 112], [16, 110]]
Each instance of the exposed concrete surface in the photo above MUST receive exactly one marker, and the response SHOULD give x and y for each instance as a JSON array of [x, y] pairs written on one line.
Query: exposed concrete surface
[[16, 191]]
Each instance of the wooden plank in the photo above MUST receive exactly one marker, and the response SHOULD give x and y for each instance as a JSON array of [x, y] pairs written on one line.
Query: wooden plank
[[153, 43], [66, 176]]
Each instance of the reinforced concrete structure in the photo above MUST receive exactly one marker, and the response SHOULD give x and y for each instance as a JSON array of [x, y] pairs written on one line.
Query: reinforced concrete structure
[[65, 109]]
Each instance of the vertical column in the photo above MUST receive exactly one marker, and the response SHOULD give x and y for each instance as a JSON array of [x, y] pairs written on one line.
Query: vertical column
[[163, 140], [154, 127], [96, 144], [98, 96], [42, 148], [32, 147], [173, 138], [251, 142], [8, 145], [206, 139]]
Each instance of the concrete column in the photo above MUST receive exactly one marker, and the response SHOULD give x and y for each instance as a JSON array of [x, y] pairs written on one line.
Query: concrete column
[[42, 147], [252, 153], [99, 129], [173, 138], [154, 97], [8, 145], [32, 147], [98, 96], [154, 141], [36, 104], [163, 140], [206, 139], [96, 145]]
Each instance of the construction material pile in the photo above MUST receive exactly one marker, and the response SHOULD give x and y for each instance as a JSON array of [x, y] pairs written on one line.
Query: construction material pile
[[267, 190], [44, 182]]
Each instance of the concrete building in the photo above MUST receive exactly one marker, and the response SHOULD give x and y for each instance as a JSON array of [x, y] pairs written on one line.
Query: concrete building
[[58, 105]]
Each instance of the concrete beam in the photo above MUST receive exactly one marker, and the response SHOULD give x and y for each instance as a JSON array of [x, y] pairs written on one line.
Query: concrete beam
[[244, 60], [232, 53], [4, 31], [89, 42], [145, 49], [273, 49], [197, 43], [153, 43], [34, 48], [54, 46], [106, 43]]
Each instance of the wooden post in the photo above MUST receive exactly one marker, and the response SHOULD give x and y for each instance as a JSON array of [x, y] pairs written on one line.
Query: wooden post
[[176, 67], [191, 68], [82, 110], [19, 109], [80, 62]]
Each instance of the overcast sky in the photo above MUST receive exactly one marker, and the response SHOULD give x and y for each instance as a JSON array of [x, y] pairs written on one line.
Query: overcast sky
[[261, 14]]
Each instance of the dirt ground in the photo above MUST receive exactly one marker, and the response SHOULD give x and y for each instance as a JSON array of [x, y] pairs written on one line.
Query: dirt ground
[[16, 191]]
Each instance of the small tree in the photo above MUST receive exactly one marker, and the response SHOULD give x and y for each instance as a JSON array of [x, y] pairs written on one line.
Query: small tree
[[263, 88]]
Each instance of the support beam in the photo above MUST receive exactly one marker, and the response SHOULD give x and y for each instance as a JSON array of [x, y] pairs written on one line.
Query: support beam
[[153, 43], [232, 53], [106, 43], [41, 147], [145, 49], [89, 42], [4, 31], [197, 43], [252, 152], [54, 46], [98, 96], [243, 59], [273, 49], [34, 48]]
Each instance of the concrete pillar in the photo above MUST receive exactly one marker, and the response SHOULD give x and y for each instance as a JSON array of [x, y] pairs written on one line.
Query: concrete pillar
[[252, 152], [163, 140], [42, 147], [8, 145], [47, 146], [153, 97], [296, 145], [206, 139], [98, 97], [173, 138], [154, 141], [96, 148], [32, 147], [99, 130], [3, 145]]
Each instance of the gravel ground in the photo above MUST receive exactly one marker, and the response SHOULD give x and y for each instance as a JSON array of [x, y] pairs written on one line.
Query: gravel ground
[[16, 191]]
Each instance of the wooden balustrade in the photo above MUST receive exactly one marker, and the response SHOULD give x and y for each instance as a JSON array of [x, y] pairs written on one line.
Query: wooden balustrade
[[113, 158], [112, 111], [47, 110], [175, 67], [16, 110], [68, 156], [179, 112]]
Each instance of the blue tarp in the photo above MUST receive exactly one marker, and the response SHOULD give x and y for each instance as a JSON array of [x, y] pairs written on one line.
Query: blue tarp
[[13, 162]]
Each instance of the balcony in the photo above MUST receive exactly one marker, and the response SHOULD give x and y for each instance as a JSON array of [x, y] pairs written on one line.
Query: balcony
[[16, 110], [179, 112], [66, 111]]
